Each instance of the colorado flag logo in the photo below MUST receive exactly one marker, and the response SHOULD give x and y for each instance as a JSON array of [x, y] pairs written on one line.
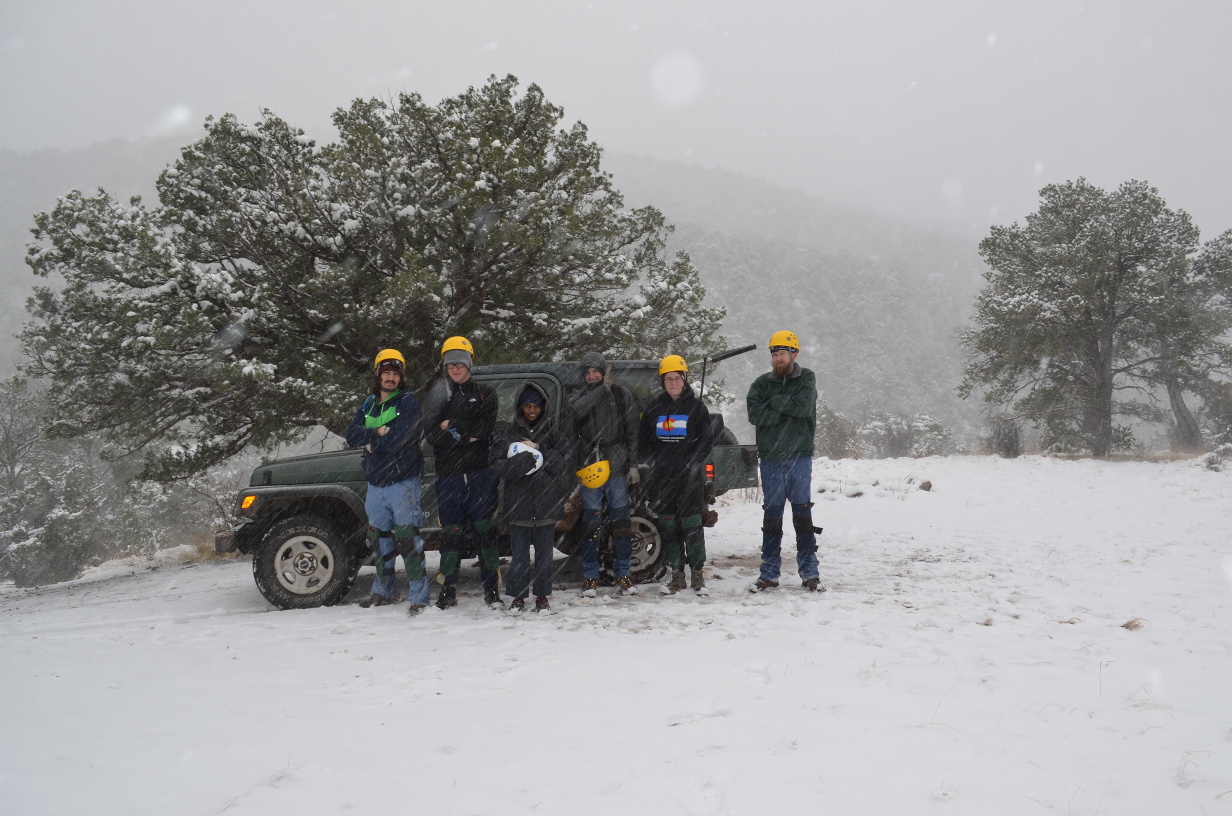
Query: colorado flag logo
[[673, 425]]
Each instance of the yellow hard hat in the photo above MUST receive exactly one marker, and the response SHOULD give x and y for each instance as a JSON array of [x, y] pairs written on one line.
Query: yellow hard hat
[[673, 362], [785, 339], [595, 475], [458, 342], [389, 354]]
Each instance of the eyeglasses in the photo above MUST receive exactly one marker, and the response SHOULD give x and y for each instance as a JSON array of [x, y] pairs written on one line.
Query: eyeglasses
[[673, 378]]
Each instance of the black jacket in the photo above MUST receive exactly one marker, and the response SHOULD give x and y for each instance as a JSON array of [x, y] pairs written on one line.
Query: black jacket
[[395, 456], [605, 418], [539, 496], [675, 435], [471, 411]]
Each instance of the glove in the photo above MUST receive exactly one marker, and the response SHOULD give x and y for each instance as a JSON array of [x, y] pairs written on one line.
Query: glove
[[457, 437], [634, 477]]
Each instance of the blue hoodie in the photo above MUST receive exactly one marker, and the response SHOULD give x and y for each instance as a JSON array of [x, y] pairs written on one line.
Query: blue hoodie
[[394, 457]]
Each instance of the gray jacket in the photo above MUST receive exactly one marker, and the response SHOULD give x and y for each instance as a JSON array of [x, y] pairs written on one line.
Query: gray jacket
[[605, 418]]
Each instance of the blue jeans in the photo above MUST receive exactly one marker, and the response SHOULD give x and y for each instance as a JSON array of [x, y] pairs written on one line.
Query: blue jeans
[[616, 492], [787, 481], [392, 506]]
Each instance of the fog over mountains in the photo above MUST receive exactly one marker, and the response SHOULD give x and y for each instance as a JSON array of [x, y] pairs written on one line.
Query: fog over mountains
[[876, 302]]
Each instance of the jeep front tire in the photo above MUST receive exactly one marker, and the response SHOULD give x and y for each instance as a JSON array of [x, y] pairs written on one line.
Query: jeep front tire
[[303, 562]]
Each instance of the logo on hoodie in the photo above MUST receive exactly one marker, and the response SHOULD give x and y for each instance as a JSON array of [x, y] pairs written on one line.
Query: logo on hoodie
[[672, 425]]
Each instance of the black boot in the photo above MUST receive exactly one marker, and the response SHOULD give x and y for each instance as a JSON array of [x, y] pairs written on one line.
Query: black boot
[[448, 597]]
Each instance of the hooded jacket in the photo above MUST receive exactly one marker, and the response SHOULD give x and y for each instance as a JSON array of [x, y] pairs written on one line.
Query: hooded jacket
[[394, 457], [675, 434], [784, 412], [605, 418], [538, 497]]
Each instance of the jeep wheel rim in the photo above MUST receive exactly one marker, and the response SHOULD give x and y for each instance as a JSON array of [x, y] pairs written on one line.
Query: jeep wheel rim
[[303, 565], [646, 546]]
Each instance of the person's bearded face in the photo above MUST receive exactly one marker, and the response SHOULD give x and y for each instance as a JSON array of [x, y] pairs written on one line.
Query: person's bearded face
[[781, 363]]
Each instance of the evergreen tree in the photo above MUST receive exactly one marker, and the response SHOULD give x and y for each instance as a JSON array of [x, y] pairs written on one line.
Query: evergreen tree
[[1186, 330], [21, 430], [247, 307], [1096, 294]]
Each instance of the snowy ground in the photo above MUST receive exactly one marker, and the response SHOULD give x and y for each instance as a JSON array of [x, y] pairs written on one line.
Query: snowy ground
[[969, 658]]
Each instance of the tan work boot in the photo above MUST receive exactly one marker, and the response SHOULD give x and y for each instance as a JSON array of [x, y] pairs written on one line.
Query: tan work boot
[[677, 582], [626, 585]]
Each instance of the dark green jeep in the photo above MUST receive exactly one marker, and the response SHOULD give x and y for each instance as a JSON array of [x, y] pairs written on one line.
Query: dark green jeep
[[303, 518]]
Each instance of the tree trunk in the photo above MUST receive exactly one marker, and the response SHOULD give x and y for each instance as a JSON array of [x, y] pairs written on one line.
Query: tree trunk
[[1099, 413], [1188, 434]]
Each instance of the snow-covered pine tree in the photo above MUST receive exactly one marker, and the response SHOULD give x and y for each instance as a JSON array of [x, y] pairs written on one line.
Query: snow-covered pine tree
[[247, 306]]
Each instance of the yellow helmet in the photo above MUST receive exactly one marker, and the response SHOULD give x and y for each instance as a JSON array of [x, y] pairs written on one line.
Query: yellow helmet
[[785, 339], [458, 342], [389, 354], [673, 362], [595, 475]]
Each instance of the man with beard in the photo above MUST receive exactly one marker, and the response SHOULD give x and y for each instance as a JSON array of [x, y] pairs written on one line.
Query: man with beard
[[387, 428], [782, 406], [675, 440]]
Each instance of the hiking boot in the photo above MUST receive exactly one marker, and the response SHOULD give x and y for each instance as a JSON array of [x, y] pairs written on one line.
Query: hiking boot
[[627, 587], [699, 582], [813, 585], [447, 598], [541, 604], [590, 587], [375, 600], [518, 605], [493, 599], [415, 609], [676, 584], [762, 584]]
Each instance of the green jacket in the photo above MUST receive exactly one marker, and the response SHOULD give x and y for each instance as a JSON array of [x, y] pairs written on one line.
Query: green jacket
[[785, 414]]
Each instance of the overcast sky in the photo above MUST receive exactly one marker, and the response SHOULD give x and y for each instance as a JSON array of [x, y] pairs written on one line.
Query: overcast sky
[[954, 111]]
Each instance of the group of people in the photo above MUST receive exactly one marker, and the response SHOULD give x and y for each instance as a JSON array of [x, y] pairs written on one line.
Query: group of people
[[603, 439]]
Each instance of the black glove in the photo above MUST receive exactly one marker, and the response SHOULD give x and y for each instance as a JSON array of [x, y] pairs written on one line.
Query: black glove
[[523, 462]]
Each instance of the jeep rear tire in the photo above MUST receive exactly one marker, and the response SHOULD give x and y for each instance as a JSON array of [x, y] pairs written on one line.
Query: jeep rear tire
[[303, 562], [646, 562]]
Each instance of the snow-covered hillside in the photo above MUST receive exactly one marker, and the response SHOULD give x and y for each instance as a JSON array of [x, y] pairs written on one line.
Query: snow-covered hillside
[[971, 657]]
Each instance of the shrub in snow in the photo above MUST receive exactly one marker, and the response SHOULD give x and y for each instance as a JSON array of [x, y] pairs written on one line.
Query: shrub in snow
[[1004, 436], [835, 436], [1216, 414], [64, 508], [889, 436]]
